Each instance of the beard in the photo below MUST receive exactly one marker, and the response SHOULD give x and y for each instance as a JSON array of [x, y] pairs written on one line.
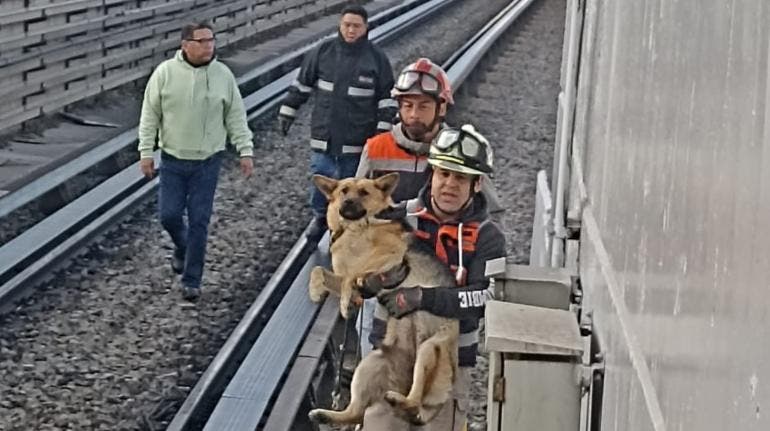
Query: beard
[[416, 131]]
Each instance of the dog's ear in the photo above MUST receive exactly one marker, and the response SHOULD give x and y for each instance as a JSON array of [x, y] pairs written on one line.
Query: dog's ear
[[387, 183], [325, 184]]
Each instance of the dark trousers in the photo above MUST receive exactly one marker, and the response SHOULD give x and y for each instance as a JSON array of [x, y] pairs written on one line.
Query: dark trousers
[[338, 167], [188, 185]]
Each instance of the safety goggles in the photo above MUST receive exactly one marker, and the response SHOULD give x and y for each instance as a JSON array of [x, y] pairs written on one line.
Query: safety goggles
[[467, 145], [424, 82]]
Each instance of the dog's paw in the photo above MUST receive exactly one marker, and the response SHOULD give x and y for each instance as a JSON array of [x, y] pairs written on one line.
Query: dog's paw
[[317, 286], [410, 408], [395, 399], [318, 416], [359, 282]]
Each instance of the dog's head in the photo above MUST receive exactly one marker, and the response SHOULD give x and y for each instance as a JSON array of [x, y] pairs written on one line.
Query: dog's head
[[355, 200]]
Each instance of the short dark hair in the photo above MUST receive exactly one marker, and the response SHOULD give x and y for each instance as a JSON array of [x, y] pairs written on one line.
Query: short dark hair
[[189, 29], [356, 10]]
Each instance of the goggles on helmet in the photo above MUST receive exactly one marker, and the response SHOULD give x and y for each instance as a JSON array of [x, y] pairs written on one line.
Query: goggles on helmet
[[462, 150], [425, 82], [468, 145]]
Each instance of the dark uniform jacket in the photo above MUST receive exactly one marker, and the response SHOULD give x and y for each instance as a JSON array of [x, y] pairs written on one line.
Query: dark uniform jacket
[[483, 241], [352, 84]]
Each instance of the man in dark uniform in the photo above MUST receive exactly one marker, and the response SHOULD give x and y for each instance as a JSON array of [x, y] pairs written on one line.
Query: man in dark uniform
[[352, 79], [450, 216]]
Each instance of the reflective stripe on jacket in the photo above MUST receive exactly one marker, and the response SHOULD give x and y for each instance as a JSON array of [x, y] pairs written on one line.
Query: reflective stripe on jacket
[[383, 155], [352, 84]]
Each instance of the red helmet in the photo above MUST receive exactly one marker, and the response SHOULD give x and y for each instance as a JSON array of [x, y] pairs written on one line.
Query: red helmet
[[423, 77]]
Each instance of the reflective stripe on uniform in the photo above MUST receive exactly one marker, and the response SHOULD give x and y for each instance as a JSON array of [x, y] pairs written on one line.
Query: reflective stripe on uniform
[[325, 85], [397, 165], [387, 103], [413, 205], [288, 110], [384, 125], [317, 144], [413, 208], [302, 88], [469, 339], [348, 149], [360, 92]]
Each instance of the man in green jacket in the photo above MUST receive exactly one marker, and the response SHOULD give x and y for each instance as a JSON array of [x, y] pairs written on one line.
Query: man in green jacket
[[191, 106]]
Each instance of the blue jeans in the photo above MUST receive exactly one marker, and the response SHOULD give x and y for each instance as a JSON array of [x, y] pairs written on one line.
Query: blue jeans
[[338, 167], [188, 185]]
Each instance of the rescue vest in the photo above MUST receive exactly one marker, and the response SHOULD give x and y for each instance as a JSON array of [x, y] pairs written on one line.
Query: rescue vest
[[386, 156]]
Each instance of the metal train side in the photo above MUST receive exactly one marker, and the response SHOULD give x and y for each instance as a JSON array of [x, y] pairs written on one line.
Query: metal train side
[[661, 197]]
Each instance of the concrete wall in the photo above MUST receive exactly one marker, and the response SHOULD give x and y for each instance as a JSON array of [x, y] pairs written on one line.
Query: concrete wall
[[672, 144]]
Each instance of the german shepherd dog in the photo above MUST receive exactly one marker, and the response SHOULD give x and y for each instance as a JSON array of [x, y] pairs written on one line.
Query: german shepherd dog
[[414, 368]]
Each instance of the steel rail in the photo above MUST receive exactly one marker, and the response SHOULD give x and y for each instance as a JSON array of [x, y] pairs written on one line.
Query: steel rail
[[474, 51], [261, 368], [40, 246], [248, 83]]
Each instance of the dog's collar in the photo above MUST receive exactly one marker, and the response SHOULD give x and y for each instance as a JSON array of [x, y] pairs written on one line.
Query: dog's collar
[[336, 234]]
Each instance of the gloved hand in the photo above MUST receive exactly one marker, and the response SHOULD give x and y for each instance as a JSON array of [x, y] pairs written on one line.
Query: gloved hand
[[284, 124], [401, 301], [393, 212], [371, 285]]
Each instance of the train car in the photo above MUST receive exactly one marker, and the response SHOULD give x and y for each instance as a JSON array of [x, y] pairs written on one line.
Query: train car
[[659, 199]]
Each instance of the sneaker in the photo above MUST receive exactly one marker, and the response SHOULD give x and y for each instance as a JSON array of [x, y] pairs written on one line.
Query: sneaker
[[191, 293], [316, 230], [177, 263]]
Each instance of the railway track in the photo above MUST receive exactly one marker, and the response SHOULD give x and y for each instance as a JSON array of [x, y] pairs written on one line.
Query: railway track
[[32, 254]]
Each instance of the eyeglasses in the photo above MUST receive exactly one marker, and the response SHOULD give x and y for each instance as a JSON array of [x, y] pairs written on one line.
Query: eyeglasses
[[427, 83], [202, 40], [468, 145]]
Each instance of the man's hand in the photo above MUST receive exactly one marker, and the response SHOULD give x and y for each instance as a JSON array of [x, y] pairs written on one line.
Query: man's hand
[[393, 212], [371, 285], [401, 301], [284, 124], [147, 165], [247, 166]]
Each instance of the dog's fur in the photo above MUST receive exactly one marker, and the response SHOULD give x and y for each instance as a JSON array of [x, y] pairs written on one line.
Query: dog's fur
[[418, 356], [361, 244]]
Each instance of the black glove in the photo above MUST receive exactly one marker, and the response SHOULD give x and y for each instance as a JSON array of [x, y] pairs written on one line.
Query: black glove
[[401, 301], [393, 212], [372, 284], [284, 123]]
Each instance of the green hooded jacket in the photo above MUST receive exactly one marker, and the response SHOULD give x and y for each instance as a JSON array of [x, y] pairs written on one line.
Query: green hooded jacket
[[192, 111]]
